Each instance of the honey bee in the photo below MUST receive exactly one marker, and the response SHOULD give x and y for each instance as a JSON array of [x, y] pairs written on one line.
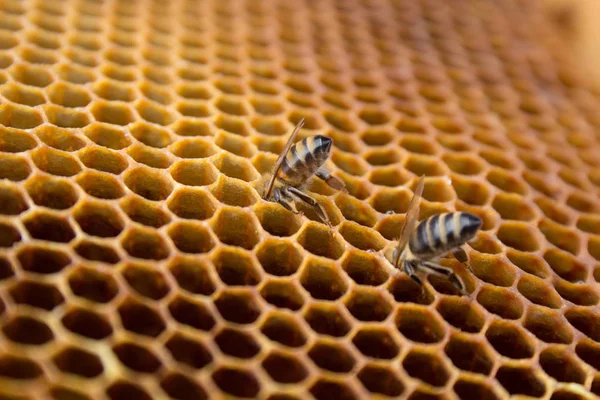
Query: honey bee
[[421, 243], [296, 164]]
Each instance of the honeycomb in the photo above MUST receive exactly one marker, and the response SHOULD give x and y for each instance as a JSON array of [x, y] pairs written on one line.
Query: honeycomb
[[138, 260]]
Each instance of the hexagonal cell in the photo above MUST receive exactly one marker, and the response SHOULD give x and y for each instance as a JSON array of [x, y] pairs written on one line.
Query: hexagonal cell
[[470, 191], [566, 265], [331, 357], [93, 285], [235, 167], [521, 380], [326, 388], [376, 137], [46, 226], [16, 140], [107, 136], [235, 267], [364, 268], [11, 201], [327, 319], [154, 113], [55, 162], [529, 263], [560, 236], [103, 160], [36, 294], [510, 340], [112, 113], [189, 237], [9, 235], [355, 210], [115, 91], [368, 305], [467, 388], [238, 306], [68, 95], [21, 94], [419, 324], [278, 257], [14, 168], [150, 184], [561, 365], [586, 321], [582, 202], [519, 236], [547, 325], [237, 343], [188, 351], [405, 290], [150, 135], [31, 75], [513, 206], [100, 185], [6, 270], [461, 314], [323, 280], [144, 212], [194, 172], [193, 109], [539, 292], [361, 237], [97, 252], [155, 158], [426, 366], [179, 386], [193, 275], [145, 243], [349, 164], [424, 165], [319, 240], [87, 323], [99, 220], [282, 294], [192, 204], [236, 227], [125, 390], [237, 382], [500, 301], [283, 328], [76, 361], [379, 379], [194, 314], [233, 124], [137, 358], [140, 318], [60, 139], [469, 354], [284, 368], [463, 164], [576, 293], [234, 144], [387, 176], [17, 367], [553, 211], [191, 127], [233, 192], [27, 331], [145, 281]]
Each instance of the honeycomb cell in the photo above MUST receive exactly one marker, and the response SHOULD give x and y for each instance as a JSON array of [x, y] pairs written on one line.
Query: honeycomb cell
[[14, 168], [149, 184], [539, 292], [520, 380], [36, 294], [136, 357], [469, 354], [563, 238], [368, 305], [31, 75], [579, 294], [17, 367], [121, 390], [234, 193], [107, 136], [355, 210], [103, 160], [59, 138], [327, 388], [100, 185], [16, 140], [21, 94], [179, 386], [49, 227], [27, 331], [238, 306], [194, 314], [9, 235], [93, 285], [322, 279], [236, 227], [283, 328], [327, 319], [55, 162], [585, 321], [237, 343], [76, 361], [589, 224], [87, 323], [236, 382], [465, 388], [282, 294], [113, 91], [112, 113], [141, 319], [378, 379], [470, 191], [378, 158], [145, 282], [511, 206], [361, 237], [6, 270], [501, 302], [566, 265], [519, 236], [144, 212], [427, 367], [582, 203], [278, 257], [405, 290], [364, 268], [331, 357], [151, 157], [461, 314], [509, 340], [419, 324], [99, 219], [463, 164], [561, 365], [319, 240], [284, 368], [145, 243], [547, 325], [68, 95]]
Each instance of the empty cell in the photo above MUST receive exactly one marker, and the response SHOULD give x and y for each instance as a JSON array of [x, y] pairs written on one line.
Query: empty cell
[[470, 191], [194, 148], [193, 314], [87, 323], [513, 207], [20, 117], [191, 238], [68, 95], [154, 158], [22, 94], [283, 328], [59, 138], [235, 167], [589, 224], [194, 172], [461, 314], [155, 93], [234, 193], [126, 390], [319, 240], [148, 183], [93, 285], [145, 281], [232, 124], [387, 176], [100, 185], [31, 75], [237, 343], [326, 388], [376, 137], [112, 113], [238, 306], [107, 136], [355, 210], [542, 185], [151, 135], [566, 265], [36, 294], [529, 263], [50, 227], [547, 325], [360, 237], [323, 280], [278, 257], [427, 367], [236, 382], [103, 160], [438, 190], [137, 358], [539, 292], [463, 164], [234, 144], [374, 116], [582, 203], [419, 324], [76, 361], [235, 267], [27, 331], [579, 294], [231, 105], [467, 388], [586, 321], [55, 162], [560, 236], [561, 365], [282, 294], [368, 305], [191, 127], [188, 351], [236, 227], [364, 268], [284, 368], [141, 319], [519, 236], [501, 301], [179, 386], [380, 380], [331, 357], [113, 91], [382, 157], [520, 380], [469, 355], [144, 212], [405, 290], [145, 243], [194, 109], [99, 219], [17, 367], [272, 127], [11, 201]]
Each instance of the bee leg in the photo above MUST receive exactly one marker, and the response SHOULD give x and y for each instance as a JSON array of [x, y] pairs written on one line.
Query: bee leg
[[331, 180], [447, 273], [311, 202], [409, 269], [461, 255], [278, 196]]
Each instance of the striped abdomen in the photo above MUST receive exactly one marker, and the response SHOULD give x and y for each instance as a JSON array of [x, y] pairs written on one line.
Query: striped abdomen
[[304, 159], [443, 232]]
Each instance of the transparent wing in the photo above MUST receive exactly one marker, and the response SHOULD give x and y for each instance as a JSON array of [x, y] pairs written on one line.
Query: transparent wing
[[410, 219], [288, 145]]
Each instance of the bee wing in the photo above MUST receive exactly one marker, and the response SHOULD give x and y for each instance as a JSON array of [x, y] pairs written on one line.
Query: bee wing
[[275, 171], [410, 219]]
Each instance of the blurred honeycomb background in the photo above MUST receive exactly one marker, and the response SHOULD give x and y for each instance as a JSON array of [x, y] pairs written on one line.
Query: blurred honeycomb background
[[138, 261]]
